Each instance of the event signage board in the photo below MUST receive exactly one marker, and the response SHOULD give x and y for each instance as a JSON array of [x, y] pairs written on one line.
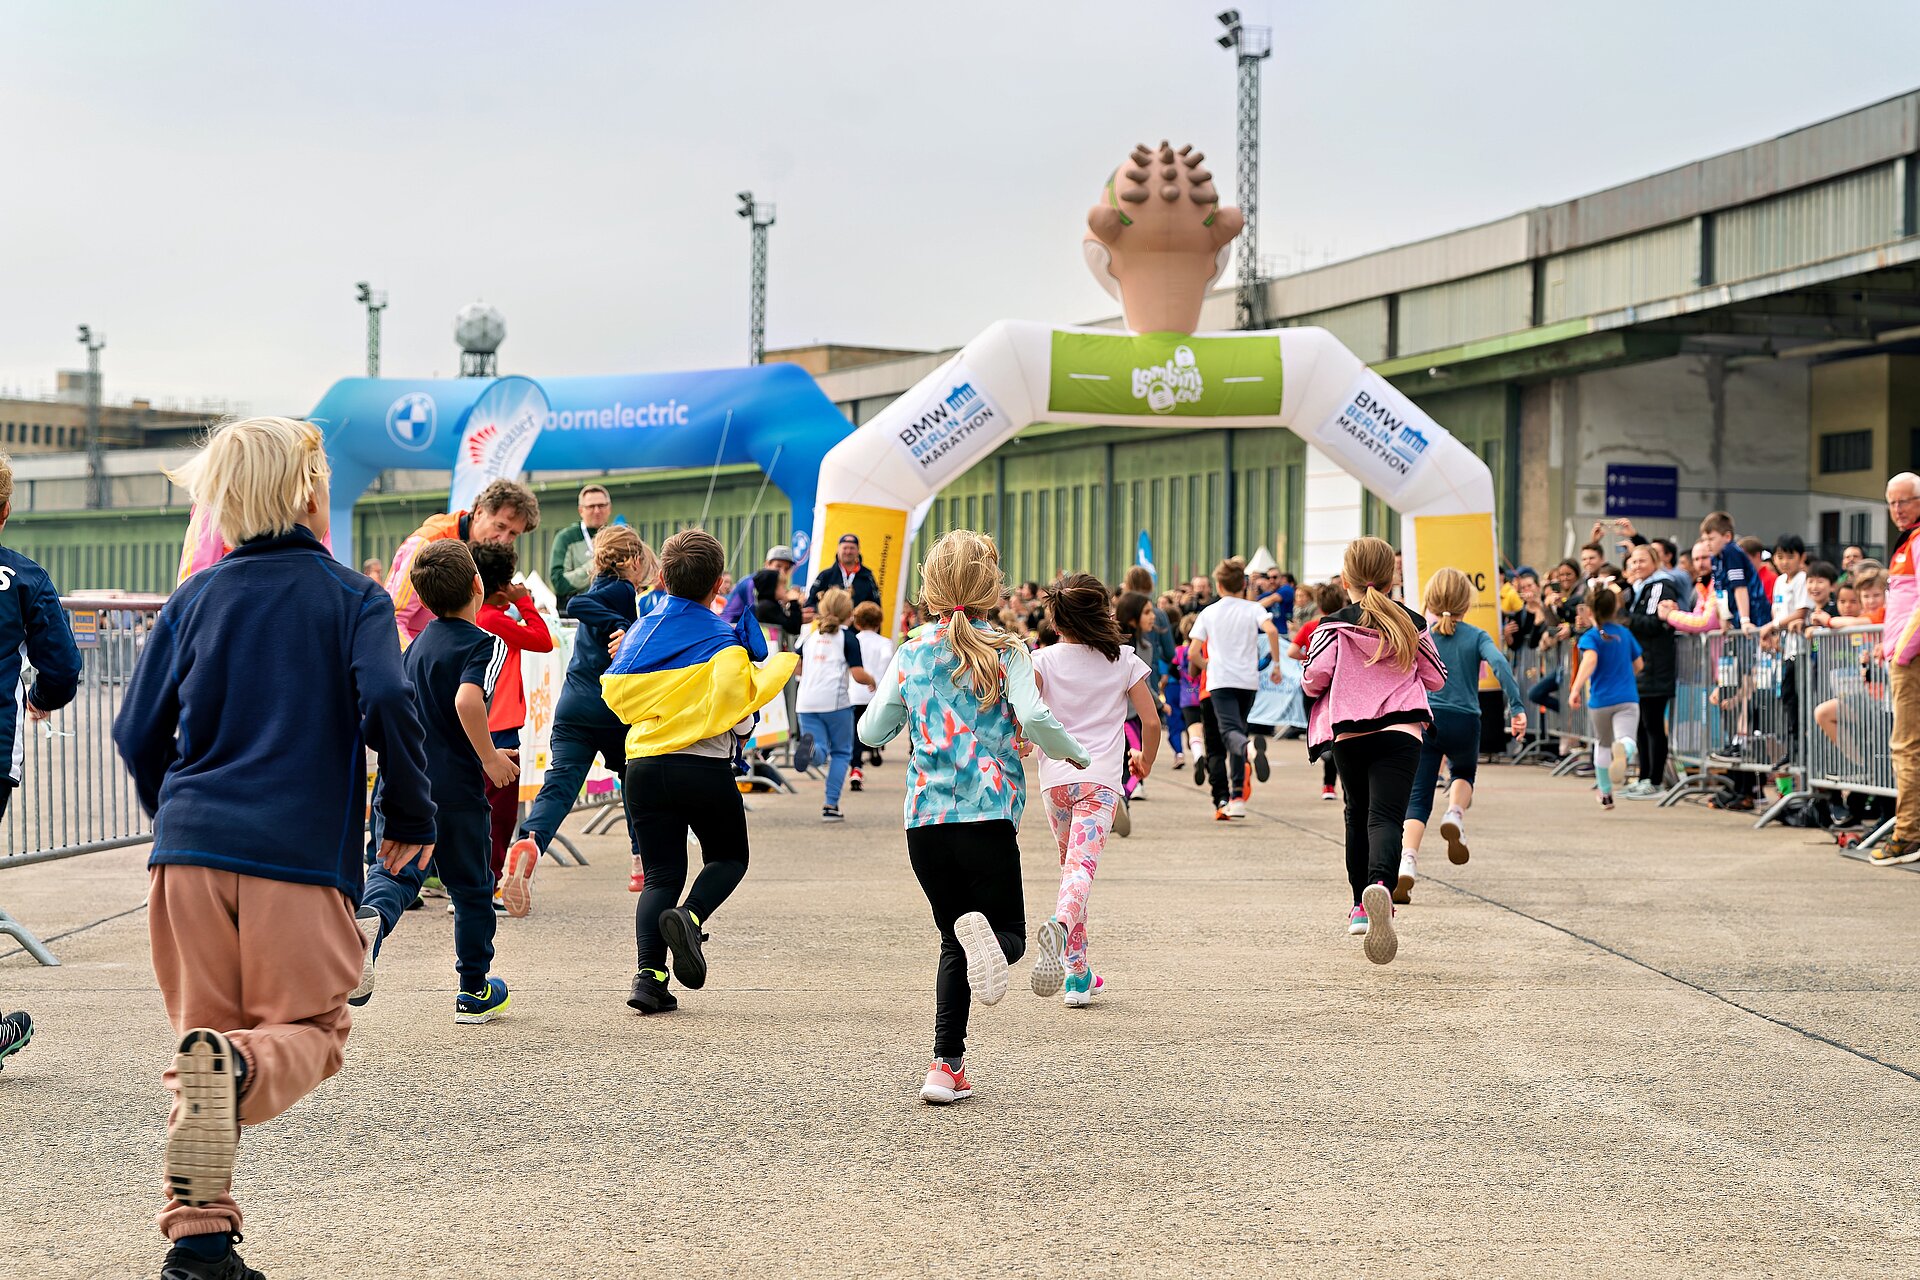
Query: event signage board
[[500, 430], [1158, 374], [936, 439], [1648, 492], [1381, 437]]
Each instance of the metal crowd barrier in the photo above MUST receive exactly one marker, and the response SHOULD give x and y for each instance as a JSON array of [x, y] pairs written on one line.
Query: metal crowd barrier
[[74, 795], [1846, 669]]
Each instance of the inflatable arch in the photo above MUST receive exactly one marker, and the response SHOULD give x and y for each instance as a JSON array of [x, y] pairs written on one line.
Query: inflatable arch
[[1018, 373], [774, 416]]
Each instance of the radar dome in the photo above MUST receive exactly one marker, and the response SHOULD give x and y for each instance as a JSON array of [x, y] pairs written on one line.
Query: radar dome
[[479, 328]]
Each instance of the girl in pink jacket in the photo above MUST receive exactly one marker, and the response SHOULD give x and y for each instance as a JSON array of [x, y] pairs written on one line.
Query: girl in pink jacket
[[1368, 671]]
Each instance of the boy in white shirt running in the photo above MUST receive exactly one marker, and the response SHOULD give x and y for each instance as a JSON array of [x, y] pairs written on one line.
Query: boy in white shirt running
[[1231, 627]]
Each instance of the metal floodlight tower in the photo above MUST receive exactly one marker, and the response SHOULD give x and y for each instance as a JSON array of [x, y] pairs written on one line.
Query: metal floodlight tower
[[375, 301], [96, 460], [1251, 46], [760, 217]]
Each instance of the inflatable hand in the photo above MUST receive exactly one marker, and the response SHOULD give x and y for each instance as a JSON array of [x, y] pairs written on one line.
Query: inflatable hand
[[1159, 238]]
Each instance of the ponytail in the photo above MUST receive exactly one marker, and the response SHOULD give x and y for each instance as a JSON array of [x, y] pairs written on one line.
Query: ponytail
[[959, 580], [1368, 568], [979, 653]]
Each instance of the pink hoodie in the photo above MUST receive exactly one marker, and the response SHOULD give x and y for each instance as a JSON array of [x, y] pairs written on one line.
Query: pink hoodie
[[1346, 695], [1900, 637]]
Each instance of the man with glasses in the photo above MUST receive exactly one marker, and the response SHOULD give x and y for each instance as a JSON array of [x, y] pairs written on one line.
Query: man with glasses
[[572, 569], [1900, 645]]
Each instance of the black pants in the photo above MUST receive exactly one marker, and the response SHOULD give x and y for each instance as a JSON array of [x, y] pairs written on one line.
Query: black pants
[[1652, 738], [1377, 770], [962, 867], [1329, 772], [462, 858], [665, 796], [1227, 711]]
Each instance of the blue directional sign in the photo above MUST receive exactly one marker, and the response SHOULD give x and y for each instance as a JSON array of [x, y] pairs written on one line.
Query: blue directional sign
[[1652, 493]]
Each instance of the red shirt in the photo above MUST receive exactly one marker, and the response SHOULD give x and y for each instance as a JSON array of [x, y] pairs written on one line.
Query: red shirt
[[528, 632]]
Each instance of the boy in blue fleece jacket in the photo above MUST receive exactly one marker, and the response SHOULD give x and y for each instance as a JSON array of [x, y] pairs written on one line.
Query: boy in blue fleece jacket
[[266, 677]]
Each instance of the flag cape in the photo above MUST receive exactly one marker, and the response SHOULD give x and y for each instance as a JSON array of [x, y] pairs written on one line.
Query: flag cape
[[682, 674]]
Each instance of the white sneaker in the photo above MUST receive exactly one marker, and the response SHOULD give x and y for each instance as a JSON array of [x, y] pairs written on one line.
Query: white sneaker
[[1409, 872], [1624, 751], [1382, 942], [1049, 970], [367, 921], [1453, 829], [1122, 820], [1236, 808], [986, 962]]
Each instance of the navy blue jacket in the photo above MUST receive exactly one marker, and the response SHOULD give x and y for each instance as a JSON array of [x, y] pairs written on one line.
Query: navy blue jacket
[[266, 677], [31, 622], [606, 606]]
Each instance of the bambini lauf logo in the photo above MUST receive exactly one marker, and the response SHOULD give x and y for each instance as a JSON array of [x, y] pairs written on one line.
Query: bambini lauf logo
[[1176, 382], [411, 420]]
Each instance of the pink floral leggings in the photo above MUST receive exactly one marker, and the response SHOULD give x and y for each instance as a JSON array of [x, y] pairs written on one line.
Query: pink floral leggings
[[1081, 814]]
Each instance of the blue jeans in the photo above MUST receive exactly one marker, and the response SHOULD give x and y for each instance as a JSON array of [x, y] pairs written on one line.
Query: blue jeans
[[574, 746], [1546, 692], [462, 848], [833, 734], [1455, 735]]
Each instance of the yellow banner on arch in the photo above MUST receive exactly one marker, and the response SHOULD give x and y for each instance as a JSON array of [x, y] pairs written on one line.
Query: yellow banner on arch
[[883, 547], [1465, 543]]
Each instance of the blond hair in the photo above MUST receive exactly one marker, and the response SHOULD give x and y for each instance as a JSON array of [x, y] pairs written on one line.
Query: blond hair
[[834, 610], [960, 580], [1449, 596], [1368, 570], [6, 480], [256, 477], [615, 545]]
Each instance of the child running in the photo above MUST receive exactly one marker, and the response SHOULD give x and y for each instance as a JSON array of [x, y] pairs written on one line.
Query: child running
[[1609, 661], [830, 660], [453, 666], [965, 693], [256, 862], [508, 612], [1329, 599], [1456, 722], [689, 686], [1095, 678], [1231, 628], [876, 655], [1369, 667]]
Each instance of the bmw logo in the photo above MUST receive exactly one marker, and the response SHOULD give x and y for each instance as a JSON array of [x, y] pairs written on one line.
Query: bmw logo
[[411, 421]]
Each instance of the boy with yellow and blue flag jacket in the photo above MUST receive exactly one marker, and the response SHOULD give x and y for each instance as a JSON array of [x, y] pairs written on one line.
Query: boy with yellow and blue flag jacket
[[690, 688]]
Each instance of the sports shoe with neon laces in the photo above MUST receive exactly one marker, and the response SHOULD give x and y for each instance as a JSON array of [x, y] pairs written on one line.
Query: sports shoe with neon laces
[[1382, 942], [1329, 793], [16, 1033], [650, 993], [1357, 921], [1409, 872], [204, 1130], [1048, 970], [516, 877], [986, 962], [945, 1084], [1081, 989], [681, 932], [473, 1007], [184, 1262], [367, 921], [1624, 751], [1453, 830]]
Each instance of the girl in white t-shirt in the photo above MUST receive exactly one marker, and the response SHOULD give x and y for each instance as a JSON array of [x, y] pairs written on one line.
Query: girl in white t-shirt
[[829, 658], [1091, 678]]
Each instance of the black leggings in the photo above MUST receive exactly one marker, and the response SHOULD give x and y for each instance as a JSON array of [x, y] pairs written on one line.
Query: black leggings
[[1377, 770], [1227, 711], [665, 796], [1652, 738], [967, 866]]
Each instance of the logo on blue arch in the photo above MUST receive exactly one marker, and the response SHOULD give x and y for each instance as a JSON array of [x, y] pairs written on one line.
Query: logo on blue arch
[[411, 421]]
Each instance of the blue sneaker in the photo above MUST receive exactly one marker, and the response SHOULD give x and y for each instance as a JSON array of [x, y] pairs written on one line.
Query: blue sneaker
[[1081, 988], [484, 1005]]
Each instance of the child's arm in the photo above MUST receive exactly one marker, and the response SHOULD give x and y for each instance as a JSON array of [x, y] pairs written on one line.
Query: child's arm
[[1322, 659], [1273, 643], [850, 652], [1036, 719], [1588, 660], [390, 724], [1503, 672], [51, 650], [470, 704], [886, 715], [1141, 699], [1428, 664], [149, 716], [530, 632]]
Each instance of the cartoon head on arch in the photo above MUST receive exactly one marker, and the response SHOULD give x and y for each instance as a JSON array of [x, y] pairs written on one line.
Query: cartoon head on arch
[[774, 416], [1158, 239]]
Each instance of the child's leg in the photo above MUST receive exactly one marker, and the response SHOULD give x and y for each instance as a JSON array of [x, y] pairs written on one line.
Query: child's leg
[[1328, 773], [1217, 774], [1231, 708], [660, 827], [1420, 798], [1389, 785], [1059, 801], [1354, 760], [1092, 817], [610, 745], [390, 893], [719, 817], [461, 852], [836, 734], [963, 867], [570, 755]]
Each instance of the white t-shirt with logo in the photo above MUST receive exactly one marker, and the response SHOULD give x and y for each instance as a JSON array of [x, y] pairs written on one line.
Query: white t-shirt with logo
[[1088, 696], [825, 659], [1789, 595], [1231, 628]]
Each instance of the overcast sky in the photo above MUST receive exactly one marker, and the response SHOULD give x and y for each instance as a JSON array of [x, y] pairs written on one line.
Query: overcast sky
[[204, 182]]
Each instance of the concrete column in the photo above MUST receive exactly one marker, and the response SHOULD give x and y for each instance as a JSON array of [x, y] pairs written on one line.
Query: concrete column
[[1331, 519]]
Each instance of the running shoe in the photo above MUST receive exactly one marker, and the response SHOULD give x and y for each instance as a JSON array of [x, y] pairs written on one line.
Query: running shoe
[[1894, 853], [1640, 789], [182, 1263], [986, 962], [1236, 808], [1606, 800], [16, 1033], [432, 888], [516, 878], [1081, 988], [367, 921], [803, 753], [1329, 793], [1139, 790], [203, 1132], [471, 1008], [1409, 872], [650, 995], [1261, 769], [853, 780], [499, 905], [1382, 942], [831, 813], [637, 877], [683, 937], [1357, 920], [1220, 813], [1122, 820], [1199, 770], [1624, 752], [1049, 968], [1453, 829], [945, 1084]]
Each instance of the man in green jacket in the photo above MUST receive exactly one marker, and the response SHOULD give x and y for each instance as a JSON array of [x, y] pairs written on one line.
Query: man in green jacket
[[572, 568]]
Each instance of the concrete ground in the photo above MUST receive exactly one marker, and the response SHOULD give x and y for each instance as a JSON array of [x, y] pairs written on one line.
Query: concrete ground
[[1654, 1042]]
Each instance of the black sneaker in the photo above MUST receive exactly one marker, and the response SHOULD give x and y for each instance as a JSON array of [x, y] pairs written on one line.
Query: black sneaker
[[183, 1264], [650, 995], [802, 752], [1199, 770], [1261, 769], [831, 813], [16, 1032], [683, 939]]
